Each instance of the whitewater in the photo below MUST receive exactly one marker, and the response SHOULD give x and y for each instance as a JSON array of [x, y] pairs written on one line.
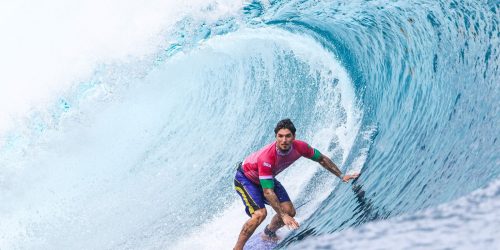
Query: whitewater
[[121, 122]]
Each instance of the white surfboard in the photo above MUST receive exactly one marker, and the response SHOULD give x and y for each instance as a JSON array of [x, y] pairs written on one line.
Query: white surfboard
[[256, 242]]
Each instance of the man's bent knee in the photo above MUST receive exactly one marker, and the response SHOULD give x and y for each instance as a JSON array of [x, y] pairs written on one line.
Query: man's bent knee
[[260, 215]]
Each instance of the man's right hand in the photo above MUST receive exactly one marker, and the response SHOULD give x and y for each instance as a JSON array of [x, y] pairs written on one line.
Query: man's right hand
[[289, 221]]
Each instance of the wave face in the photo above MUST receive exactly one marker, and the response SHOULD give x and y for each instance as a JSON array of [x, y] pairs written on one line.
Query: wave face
[[141, 155]]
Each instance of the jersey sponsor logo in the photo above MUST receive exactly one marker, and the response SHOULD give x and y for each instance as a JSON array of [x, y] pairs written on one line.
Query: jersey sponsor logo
[[266, 164], [265, 177]]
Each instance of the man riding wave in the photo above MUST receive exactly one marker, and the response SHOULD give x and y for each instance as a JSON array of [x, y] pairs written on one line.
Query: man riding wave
[[256, 184]]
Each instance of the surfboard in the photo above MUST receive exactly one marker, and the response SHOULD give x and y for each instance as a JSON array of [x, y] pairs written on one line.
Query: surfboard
[[256, 242]]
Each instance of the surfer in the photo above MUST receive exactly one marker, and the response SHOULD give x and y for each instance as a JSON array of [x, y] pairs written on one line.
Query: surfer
[[256, 184]]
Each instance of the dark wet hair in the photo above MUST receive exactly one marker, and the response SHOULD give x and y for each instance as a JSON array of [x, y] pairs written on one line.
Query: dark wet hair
[[285, 123]]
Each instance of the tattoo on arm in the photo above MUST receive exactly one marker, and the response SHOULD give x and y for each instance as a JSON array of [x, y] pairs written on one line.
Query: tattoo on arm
[[330, 166]]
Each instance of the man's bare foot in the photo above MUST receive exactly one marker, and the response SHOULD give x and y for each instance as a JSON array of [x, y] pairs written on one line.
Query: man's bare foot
[[266, 237]]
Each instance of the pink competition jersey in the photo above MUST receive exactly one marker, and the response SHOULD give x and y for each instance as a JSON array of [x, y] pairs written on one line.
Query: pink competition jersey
[[268, 162]]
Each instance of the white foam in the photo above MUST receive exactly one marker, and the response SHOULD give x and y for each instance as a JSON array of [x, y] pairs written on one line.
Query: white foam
[[48, 46]]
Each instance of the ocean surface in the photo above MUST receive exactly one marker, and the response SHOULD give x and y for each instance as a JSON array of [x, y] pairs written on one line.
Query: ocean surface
[[121, 122]]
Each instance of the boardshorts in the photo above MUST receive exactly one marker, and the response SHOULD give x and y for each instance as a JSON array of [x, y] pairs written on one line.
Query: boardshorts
[[252, 194]]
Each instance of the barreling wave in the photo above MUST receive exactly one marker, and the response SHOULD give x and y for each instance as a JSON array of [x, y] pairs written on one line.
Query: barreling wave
[[141, 155]]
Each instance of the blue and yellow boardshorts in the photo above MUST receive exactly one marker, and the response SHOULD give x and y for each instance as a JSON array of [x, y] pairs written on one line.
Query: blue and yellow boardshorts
[[252, 194]]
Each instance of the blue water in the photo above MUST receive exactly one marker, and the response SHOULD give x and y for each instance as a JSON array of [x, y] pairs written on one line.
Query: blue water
[[140, 155]]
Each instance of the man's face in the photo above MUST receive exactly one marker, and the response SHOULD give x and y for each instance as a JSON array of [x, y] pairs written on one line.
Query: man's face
[[284, 139]]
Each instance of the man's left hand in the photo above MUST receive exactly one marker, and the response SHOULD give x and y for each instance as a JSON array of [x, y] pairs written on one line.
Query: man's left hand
[[348, 177]]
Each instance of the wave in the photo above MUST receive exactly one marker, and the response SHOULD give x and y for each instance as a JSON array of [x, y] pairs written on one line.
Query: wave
[[142, 153]]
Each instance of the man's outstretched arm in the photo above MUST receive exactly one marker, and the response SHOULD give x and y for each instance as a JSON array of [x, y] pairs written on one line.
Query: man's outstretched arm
[[330, 166]]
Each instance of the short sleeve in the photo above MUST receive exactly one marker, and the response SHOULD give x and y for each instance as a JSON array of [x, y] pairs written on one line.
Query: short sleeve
[[266, 177], [307, 151]]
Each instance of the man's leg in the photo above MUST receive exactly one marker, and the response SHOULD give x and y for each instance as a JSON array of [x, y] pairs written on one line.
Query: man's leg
[[249, 227], [277, 222]]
